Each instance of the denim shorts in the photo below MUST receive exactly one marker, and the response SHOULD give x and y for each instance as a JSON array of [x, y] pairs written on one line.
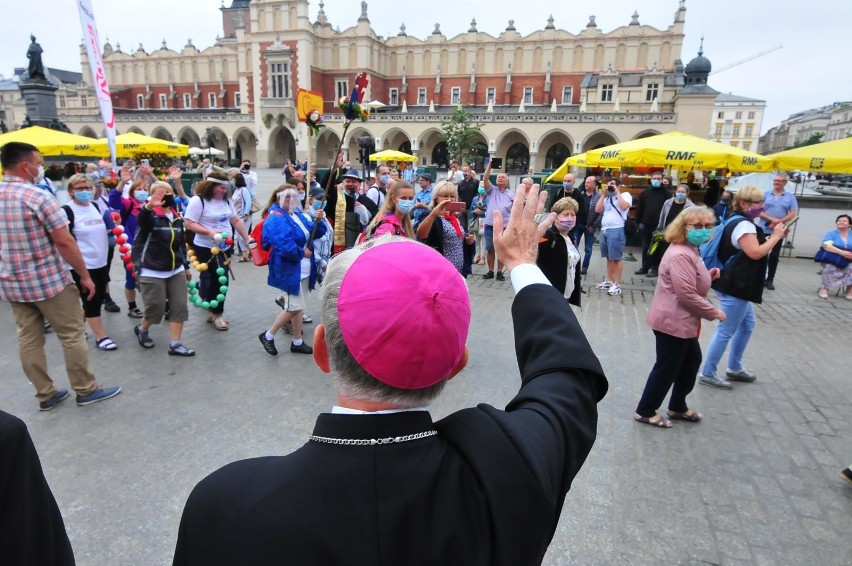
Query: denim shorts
[[612, 243], [489, 238]]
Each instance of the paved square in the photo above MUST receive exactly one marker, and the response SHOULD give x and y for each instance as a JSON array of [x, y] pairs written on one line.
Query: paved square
[[755, 483]]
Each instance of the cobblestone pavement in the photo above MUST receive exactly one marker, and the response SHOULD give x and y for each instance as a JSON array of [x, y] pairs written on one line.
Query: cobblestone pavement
[[755, 483]]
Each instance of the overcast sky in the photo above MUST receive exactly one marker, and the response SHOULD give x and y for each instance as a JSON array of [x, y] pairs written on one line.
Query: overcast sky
[[813, 69]]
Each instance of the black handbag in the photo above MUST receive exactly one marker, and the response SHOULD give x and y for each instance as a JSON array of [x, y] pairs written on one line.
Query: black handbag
[[631, 227], [825, 256]]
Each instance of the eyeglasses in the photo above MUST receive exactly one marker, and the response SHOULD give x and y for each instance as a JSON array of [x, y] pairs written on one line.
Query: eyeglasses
[[81, 188], [701, 226]]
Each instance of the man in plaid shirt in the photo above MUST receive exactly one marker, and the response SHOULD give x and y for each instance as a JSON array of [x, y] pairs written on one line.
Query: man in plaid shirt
[[34, 241]]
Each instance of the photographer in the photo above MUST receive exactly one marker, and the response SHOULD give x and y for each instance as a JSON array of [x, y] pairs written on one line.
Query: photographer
[[615, 206]]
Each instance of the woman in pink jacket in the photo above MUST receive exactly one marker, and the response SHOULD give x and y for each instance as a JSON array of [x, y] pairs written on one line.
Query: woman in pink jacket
[[679, 304]]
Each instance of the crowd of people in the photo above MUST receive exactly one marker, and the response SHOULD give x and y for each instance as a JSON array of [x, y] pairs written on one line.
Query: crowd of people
[[56, 265]]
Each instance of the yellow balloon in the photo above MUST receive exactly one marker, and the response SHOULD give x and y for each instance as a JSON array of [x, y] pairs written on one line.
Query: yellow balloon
[[214, 251], [202, 267]]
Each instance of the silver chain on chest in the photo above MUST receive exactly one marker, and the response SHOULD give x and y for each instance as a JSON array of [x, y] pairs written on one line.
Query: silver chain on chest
[[374, 441]]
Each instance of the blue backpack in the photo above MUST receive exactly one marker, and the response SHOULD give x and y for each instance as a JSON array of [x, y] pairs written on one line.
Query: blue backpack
[[710, 250]]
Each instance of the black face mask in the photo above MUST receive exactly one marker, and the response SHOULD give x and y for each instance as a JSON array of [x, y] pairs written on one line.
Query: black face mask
[[169, 201]]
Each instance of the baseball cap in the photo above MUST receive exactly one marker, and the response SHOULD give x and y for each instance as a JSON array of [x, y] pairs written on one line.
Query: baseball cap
[[404, 312], [426, 176], [317, 193], [352, 174]]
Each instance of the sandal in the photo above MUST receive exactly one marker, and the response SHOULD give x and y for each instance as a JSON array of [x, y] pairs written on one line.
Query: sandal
[[689, 416], [106, 344], [659, 423], [823, 293], [243, 260], [220, 323]]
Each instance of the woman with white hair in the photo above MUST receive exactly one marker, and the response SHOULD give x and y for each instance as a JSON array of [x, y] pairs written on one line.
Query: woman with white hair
[[292, 267]]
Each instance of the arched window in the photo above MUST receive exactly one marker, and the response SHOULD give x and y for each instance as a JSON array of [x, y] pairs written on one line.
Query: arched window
[[518, 158], [440, 155], [477, 155], [405, 147], [556, 155]]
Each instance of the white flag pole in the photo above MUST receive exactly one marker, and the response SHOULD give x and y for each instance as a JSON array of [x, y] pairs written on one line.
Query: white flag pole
[[99, 79]]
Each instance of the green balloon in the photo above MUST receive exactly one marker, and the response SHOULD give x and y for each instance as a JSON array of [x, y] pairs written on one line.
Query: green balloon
[[223, 280], [193, 291], [214, 303], [191, 284], [197, 303], [205, 305], [220, 271], [223, 289], [220, 297]]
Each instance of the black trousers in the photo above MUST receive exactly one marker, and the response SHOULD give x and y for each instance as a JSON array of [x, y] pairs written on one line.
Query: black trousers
[[774, 256], [208, 281], [100, 277], [678, 360], [646, 232]]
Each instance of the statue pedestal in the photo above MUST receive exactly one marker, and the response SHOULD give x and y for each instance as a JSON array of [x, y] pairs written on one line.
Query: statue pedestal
[[40, 99]]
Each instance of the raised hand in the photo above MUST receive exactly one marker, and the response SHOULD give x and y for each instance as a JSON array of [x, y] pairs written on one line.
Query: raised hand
[[518, 242], [157, 198]]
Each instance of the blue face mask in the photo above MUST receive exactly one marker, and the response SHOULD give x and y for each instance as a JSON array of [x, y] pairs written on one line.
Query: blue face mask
[[680, 197], [567, 185], [83, 196], [656, 183], [404, 206], [385, 179], [481, 190], [316, 204], [697, 237], [141, 196]]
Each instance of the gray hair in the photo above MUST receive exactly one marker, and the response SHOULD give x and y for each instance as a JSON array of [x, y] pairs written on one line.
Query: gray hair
[[782, 174], [353, 380]]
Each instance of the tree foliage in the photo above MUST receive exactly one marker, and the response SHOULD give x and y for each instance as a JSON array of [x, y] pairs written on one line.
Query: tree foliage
[[460, 133], [813, 140]]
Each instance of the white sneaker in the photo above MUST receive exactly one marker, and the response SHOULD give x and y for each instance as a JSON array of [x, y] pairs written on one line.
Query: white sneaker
[[603, 285], [614, 290]]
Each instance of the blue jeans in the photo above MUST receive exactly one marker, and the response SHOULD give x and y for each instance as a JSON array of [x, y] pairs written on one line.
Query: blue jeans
[[579, 234], [736, 329]]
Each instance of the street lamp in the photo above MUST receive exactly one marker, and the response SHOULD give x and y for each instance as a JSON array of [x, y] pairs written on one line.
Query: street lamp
[[208, 144]]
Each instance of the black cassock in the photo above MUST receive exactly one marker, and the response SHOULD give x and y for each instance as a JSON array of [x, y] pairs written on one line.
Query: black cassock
[[487, 489]]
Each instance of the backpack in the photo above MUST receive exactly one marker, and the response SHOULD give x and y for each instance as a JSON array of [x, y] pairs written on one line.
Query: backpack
[[710, 249], [69, 212], [259, 254], [367, 234]]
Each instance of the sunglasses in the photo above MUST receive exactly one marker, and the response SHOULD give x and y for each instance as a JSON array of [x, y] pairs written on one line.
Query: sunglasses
[[701, 226]]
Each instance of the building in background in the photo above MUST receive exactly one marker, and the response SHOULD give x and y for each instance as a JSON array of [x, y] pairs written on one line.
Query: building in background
[[737, 121], [541, 97], [833, 122]]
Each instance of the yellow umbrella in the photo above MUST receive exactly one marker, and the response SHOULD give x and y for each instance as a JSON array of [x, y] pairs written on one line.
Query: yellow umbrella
[[132, 144], [53, 143], [392, 155], [578, 160], [679, 150], [827, 157]]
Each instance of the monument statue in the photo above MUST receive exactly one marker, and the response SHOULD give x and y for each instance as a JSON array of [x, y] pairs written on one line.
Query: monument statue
[[35, 70]]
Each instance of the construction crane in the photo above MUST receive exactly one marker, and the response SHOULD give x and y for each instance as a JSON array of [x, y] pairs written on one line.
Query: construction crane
[[747, 59]]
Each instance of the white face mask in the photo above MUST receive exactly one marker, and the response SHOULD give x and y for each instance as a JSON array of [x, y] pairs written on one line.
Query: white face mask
[[40, 177]]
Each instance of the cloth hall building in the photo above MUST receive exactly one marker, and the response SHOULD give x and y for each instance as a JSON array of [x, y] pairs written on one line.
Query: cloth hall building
[[540, 97]]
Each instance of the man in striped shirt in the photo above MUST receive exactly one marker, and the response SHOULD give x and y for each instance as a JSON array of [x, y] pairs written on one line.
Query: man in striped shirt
[[34, 241]]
